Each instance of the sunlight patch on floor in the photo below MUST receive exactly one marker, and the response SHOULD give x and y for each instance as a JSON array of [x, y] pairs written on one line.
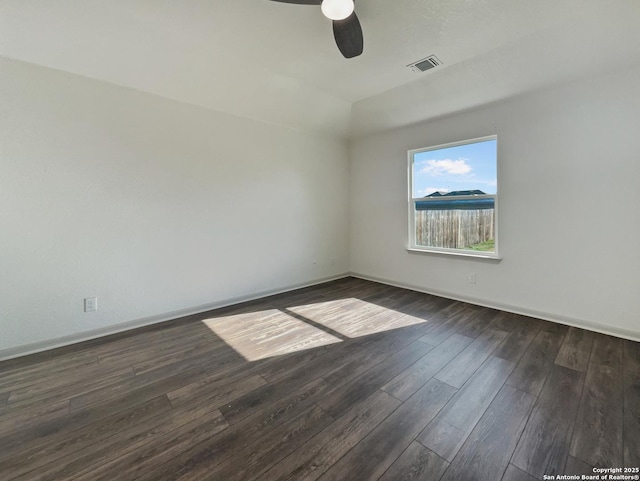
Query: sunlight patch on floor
[[354, 317], [267, 333]]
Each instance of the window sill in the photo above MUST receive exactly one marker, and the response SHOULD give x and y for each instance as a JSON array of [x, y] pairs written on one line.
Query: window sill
[[468, 255]]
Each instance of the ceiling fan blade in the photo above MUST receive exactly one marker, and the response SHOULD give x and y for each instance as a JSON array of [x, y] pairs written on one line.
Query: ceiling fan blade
[[348, 35], [300, 2]]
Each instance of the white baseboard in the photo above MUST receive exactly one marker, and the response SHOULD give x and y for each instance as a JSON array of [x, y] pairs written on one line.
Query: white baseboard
[[569, 321], [147, 321]]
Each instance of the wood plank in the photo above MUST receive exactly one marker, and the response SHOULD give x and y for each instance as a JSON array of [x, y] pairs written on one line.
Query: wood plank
[[434, 312], [598, 433], [430, 310], [544, 445], [409, 302], [405, 384], [576, 349], [246, 405], [416, 463], [313, 458], [266, 451], [215, 371], [515, 345], [514, 474], [338, 400], [329, 313], [11, 421], [42, 380], [205, 456], [158, 345], [285, 365], [272, 332], [138, 347], [218, 366], [138, 396], [55, 429], [462, 367], [631, 369], [13, 382], [22, 363], [187, 358], [387, 341], [371, 292], [341, 355], [133, 463], [37, 366], [478, 322], [381, 320], [42, 451], [441, 331], [448, 431], [577, 467], [355, 368], [508, 321], [148, 385], [372, 456], [548, 326], [345, 319], [486, 453], [64, 387], [218, 392], [134, 437], [532, 370]]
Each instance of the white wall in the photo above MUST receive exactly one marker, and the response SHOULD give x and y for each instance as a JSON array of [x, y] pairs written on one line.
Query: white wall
[[569, 198], [152, 205]]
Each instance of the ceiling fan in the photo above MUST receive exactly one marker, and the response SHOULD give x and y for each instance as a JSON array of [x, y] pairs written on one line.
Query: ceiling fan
[[346, 26]]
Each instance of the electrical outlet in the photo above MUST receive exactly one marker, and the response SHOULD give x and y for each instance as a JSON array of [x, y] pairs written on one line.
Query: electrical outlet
[[472, 278], [90, 304]]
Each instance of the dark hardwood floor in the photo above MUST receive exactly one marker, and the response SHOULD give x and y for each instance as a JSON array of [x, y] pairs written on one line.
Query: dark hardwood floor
[[350, 380]]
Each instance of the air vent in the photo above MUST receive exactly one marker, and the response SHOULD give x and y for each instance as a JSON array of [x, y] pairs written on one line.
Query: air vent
[[425, 64]]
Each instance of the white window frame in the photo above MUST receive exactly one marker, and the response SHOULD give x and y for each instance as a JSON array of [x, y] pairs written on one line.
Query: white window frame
[[412, 246]]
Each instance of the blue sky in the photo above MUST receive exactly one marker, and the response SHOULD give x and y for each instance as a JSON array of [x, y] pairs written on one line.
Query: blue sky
[[465, 167]]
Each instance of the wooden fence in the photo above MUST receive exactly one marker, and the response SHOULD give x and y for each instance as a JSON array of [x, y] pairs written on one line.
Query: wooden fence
[[455, 229]]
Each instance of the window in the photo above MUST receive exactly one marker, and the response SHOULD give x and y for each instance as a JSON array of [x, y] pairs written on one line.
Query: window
[[453, 198]]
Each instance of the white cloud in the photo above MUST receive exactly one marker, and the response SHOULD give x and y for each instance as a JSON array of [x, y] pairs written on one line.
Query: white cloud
[[446, 166], [430, 190]]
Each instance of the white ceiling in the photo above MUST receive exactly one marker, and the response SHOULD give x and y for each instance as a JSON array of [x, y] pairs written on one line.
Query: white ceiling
[[278, 63]]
